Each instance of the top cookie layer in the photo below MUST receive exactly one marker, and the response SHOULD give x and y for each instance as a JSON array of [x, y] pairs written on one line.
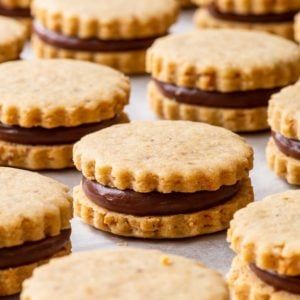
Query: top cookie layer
[[257, 7], [164, 156], [267, 233], [125, 274], [16, 3], [284, 112], [52, 93], [32, 207], [225, 60], [114, 19]]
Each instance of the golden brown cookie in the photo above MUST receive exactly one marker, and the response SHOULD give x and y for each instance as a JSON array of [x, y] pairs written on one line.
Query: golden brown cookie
[[58, 102], [116, 33], [152, 161], [37, 210], [133, 273], [265, 237], [223, 77]]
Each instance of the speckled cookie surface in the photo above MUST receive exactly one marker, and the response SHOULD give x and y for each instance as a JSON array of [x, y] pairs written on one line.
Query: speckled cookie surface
[[52, 93], [267, 233], [32, 207], [245, 285], [284, 109], [125, 274], [224, 60], [166, 156], [12, 39], [115, 19]]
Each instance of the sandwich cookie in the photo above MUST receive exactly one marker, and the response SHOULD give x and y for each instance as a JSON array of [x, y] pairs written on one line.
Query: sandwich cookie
[[275, 17], [34, 225], [12, 39], [283, 150], [223, 77], [164, 179], [48, 105], [129, 274], [265, 235], [114, 33], [18, 10]]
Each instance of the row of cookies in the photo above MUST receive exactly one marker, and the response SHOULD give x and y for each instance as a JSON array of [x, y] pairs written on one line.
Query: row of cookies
[[38, 210]]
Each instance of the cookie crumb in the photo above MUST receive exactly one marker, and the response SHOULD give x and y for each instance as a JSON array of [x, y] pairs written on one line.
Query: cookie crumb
[[165, 260]]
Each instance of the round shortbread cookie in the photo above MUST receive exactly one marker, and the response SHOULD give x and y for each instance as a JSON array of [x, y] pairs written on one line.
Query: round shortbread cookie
[[174, 226], [125, 274], [204, 20], [224, 60], [32, 207], [245, 285], [267, 232], [164, 156], [53, 93], [114, 19], [12, 39]]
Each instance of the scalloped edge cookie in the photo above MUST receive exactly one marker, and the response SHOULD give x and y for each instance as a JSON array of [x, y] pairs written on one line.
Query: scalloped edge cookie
[[158, 227], [204, 20], [283, 166], [129, 62], [237, 120], [245, 285], [11, 279]]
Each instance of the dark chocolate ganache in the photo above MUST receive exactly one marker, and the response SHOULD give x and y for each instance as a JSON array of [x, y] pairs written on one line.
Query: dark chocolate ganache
[[14, 12], [155, 203], [251, 18], [91, 45], [289, 147], [289, 284], [195, 96], [53, 136], [31, 252]]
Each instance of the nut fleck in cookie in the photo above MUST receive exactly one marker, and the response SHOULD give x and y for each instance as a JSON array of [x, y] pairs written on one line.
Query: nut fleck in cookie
[[129, 274], [164, 179], [114, 33], [271, 16], [223, 77], [12, 39], [48, 105], [34, 225], [265, 235], [283, 154]]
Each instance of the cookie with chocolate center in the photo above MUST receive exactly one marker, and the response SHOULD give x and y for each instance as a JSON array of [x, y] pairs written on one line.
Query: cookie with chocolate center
[[34, 225], [115, 33], [128, 274], [265, 235], [165, 179], [283, 150], [275, 17], [48, 105], [223, 77]]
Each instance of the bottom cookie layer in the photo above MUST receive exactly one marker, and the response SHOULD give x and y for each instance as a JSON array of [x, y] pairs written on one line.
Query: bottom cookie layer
[[35, 157], [245, 285], [129, 62], [282, 165], [11, 279], [203, 19], [238, 120], [175, 226]]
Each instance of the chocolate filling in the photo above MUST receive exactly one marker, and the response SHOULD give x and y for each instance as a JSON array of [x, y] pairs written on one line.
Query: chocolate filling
[[194, 96], [287, 146], [92, 45], [32, 252], [15, 12], [55, 136], [289, 284], [155, 204], [267, 18]]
